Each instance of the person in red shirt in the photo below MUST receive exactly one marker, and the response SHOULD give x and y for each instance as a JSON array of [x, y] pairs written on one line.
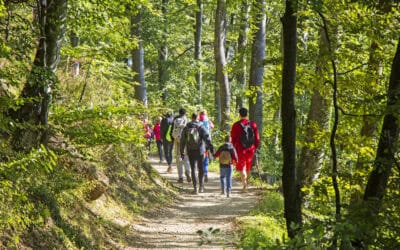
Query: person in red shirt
[[245, 153], [157, 135]]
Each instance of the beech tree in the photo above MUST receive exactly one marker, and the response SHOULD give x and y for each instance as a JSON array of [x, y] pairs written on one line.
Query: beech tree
[[220, 63], [38, 90], [242, 42], [387, 147], [138, 58], [197, 46], [163, 52], [257, 66]]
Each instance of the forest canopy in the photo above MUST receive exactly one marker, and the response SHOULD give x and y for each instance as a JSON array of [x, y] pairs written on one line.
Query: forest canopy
[[320, 78]]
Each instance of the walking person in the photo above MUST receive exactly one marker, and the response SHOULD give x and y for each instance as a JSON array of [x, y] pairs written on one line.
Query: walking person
[[148, 134], [157, 136], [178, 125], [208, 125], [166, 137], [196, 139], [227, 158], [245, 139]]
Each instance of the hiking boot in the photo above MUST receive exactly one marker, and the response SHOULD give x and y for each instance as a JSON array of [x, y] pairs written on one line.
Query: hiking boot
[[228, 194], [195, 191], [180, 180], [188, 178], [169, 169], [205, 178], [201, 189]]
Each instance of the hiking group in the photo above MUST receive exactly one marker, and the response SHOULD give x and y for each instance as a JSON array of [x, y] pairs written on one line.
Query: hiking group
[[193, 148]]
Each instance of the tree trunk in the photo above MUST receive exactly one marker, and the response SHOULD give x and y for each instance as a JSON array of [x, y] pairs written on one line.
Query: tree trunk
[[257, 66], [317, 120], [138, 60], [37, 92], [220, 61], [290, 183], [385, 158], [197, 47], [242, 44], [163, 54]]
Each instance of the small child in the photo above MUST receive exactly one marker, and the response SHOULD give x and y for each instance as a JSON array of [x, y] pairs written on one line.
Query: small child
[[227, 157]]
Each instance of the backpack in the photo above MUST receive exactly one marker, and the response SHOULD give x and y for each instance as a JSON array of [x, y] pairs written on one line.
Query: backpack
[[179, 125], [247, 136], [168, 134], [193, 139], [225, 157]]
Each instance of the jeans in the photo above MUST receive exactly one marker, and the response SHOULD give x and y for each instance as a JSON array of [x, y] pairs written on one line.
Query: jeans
[[179, 161], [168, 151], [196, 160], [205, 165], [226, 178], [159, 149]]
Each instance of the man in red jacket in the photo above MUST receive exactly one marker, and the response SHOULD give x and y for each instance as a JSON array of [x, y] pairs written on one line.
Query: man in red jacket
[[246, 140]]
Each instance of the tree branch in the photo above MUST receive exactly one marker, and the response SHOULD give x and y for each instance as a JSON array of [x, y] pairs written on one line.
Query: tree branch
[[353, 69]]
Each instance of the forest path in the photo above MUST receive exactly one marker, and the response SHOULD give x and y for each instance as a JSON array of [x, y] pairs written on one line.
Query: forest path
[[176, 226]]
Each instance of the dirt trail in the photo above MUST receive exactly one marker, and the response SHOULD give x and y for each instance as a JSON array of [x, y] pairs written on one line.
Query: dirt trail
[[176, 226]]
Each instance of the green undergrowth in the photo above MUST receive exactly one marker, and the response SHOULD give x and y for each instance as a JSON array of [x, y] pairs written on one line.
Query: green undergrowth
[[264, 227], [52, 199]]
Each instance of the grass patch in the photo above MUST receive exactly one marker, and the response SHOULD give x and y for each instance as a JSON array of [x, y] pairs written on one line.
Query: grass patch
[[264, 228]]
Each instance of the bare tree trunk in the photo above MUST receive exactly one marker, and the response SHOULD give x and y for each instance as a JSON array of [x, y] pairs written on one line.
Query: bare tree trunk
[[257, 66], [163, 54], [220, 61], [197, 47], [242, 44], [138, 60], [37, 92], [317, 120], [290, 182], [388, 141]]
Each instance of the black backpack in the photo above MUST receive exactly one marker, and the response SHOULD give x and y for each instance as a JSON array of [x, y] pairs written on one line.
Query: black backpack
[[193, 139], [247, 136]]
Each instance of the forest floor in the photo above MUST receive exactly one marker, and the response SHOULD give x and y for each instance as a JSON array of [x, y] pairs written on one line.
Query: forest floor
[[177, 225]]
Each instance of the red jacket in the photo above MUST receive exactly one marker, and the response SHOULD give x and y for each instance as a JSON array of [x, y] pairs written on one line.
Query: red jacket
[[157, 131], [236, 133]]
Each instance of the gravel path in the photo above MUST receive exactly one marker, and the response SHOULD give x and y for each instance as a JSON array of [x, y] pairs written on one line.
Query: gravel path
[[176, 226]]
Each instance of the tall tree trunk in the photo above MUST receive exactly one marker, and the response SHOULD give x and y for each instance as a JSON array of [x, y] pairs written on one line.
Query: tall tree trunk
[[37, 92], [257, 65], [138, 59], [163, 54], [220, 62], [369, 128], [290, 182], [388, 141], [317, 120], [197, 48], [242, 44]]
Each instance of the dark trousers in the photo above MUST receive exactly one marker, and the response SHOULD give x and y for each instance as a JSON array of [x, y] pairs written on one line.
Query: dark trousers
[[167, 145], [159, 149], [196, 161]]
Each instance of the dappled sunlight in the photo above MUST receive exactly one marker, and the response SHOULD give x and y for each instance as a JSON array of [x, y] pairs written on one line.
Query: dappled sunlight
[[177, 226]]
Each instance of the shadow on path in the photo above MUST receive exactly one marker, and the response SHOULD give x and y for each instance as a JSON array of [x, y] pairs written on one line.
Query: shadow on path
[[176, 226]]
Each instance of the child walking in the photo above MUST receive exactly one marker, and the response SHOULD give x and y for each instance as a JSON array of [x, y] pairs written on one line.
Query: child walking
[[227, 158]]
